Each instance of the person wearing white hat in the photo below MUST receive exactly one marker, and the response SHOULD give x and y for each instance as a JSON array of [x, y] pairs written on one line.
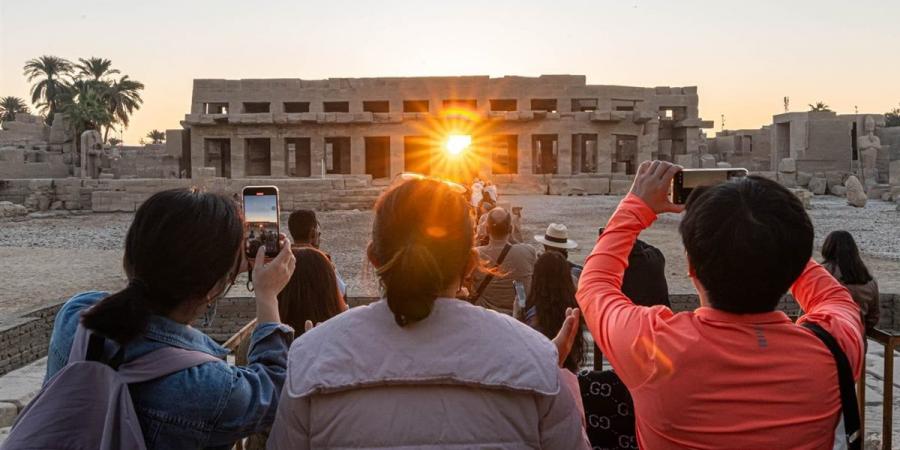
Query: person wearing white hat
[[556, 239]]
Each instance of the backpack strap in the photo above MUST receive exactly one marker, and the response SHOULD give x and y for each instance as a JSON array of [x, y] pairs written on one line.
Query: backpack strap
[[849, 404], [87, 346], [487, 279], [162, 362]]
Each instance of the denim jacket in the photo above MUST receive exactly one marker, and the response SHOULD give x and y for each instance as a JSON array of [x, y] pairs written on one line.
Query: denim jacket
[[208, 406]]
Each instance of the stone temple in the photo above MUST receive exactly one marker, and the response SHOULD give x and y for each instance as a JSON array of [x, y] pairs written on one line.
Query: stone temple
[[521, 128]]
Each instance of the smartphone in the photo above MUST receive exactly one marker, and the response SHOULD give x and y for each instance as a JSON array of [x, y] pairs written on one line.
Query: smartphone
[[261, 213], [520, 293], [687, 180]]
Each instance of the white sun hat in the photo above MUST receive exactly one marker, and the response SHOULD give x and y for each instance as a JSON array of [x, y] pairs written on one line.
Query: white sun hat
[[557, 235]]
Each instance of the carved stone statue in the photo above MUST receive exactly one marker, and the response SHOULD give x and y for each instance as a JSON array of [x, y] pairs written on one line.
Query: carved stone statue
[[869, 145], [91, 149]]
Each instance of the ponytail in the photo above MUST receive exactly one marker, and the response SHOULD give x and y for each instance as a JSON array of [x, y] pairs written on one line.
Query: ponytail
[[412, 280], [122, 316], [422, 240]]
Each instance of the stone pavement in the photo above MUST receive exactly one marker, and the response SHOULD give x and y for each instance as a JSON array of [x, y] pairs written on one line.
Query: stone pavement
[[18, 387]]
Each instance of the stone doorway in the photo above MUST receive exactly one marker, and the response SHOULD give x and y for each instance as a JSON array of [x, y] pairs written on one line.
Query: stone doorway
[[378, 156], [258, 161], [625, 158], [337, 155], [299, 158], [544, 153], [217, 154], [417, 154]]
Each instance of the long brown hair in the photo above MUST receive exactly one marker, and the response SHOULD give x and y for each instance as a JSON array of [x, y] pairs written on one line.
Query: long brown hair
[[552, 291], [422, 240], [312, 292]]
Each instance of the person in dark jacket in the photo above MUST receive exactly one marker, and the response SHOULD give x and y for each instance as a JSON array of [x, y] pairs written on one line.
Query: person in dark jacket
[[645, 278]]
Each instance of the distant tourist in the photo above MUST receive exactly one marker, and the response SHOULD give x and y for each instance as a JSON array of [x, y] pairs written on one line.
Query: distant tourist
[[421, 369], [556, 240], [304, 227], [310, 298], [843, 261], [477, 193], [735, 373], [511, 262], [645, 278], [171, 285], [552, 293]]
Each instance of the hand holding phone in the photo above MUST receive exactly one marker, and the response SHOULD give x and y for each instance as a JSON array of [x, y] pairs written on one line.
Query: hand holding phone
[[686, 180], [261, 223]]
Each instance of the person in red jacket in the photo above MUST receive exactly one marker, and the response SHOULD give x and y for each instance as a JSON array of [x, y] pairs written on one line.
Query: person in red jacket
[[734, 373]]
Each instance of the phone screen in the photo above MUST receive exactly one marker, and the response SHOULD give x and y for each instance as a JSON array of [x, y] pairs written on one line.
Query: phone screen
[[689, 179], [520, 293], [261, 220]]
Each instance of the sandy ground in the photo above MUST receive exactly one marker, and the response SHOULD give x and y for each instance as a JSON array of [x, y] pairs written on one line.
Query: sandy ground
[[49, 259]]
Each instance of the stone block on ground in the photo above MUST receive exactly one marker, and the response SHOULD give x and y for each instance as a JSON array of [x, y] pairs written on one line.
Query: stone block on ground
[[787, 179], [707, 161], [817, 186], [619, 187], [838, 190], [834, 178], [723, 165], [767, 174], [787, 165], [856, 195], [804, 196], [894, 173], [877, 191], [579, 186], [10, 209], [803, 178], [688, 161], [20, 386]]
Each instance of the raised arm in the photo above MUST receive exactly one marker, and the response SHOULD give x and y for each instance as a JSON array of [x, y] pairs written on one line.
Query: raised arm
[[623, 330], [828, 303]]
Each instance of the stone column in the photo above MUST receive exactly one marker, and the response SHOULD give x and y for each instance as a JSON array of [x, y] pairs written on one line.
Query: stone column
[[238, 158], [357, 155], [316, 154], [396, 156], [198, 152], [606, 145], [277, 158], [524, 154], [564, 154]]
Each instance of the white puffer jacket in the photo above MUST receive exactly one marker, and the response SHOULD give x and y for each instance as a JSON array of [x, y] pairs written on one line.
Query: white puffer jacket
[[465, 377]]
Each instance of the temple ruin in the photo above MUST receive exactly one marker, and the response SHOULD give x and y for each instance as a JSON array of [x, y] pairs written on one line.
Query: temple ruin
[[522, 129]]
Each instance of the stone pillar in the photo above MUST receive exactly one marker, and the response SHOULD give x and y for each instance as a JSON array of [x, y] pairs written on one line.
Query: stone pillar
[[238, 158], [277, 158], [605, 148], [564, 153], [198, 152], [526, 166], [357, 155], [316, 155], [396, 156]]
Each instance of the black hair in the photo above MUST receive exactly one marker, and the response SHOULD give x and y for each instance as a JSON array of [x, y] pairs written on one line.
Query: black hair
[[840, 249], [303, 223], [312, 292], [422, 240], [180, 245], [552, 291], [747, 241]]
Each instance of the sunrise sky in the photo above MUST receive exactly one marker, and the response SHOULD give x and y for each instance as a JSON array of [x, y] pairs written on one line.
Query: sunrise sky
[[744, 56]]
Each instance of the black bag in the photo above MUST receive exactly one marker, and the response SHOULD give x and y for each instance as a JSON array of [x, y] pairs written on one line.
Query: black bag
[[608, 410], [849, 403], [487, 279]]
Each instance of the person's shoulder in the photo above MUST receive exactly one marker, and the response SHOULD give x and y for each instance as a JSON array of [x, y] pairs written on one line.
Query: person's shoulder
[[82, 301]]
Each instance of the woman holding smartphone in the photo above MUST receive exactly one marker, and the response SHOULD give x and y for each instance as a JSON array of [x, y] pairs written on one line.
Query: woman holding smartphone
[[182, 253]]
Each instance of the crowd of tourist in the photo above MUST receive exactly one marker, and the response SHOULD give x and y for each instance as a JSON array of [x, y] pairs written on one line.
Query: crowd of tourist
[[481, 344]]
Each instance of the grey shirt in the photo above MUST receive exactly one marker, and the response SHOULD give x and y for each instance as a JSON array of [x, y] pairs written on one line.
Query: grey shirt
[[517, 266]]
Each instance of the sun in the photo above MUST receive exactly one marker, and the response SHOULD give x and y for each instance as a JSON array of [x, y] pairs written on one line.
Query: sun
[[457, 143]]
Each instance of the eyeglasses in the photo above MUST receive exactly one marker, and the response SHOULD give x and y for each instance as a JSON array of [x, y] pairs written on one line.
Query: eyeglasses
[[455, 187]]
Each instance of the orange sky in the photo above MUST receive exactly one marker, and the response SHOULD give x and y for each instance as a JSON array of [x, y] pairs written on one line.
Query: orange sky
[[744, 56]]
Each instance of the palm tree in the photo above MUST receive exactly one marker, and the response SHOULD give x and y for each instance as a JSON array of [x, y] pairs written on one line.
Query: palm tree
[[156, 136], [819, 107], [85, 110], [123, 97], [9, 106], [892, 118], [114, 141], [49, 71], [95, 68]]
